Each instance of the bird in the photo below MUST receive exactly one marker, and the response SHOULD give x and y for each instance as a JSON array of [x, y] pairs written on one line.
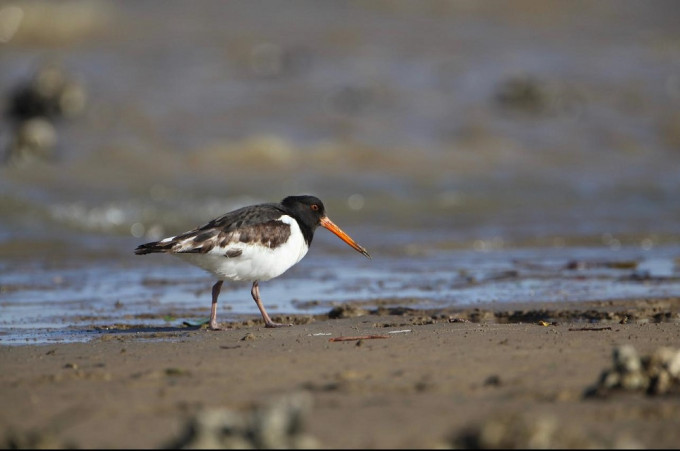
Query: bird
[[253, 243]]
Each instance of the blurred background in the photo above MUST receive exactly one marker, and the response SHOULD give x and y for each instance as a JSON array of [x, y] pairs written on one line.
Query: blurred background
[[475, 120], [421, 124]]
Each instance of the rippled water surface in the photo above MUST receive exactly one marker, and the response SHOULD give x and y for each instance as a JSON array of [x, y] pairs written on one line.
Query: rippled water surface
[[42, 303], [476, 149]]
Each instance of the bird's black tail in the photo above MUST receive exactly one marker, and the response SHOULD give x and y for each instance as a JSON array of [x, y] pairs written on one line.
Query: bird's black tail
[[154, 247]]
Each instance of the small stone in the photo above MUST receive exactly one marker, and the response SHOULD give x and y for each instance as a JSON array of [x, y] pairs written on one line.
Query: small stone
[[248, 337], [661, 359], [634, 381], [347, 311], [626, 359], [661, 384], [674, 364], [492, 381], [610, 379], [172, 371]]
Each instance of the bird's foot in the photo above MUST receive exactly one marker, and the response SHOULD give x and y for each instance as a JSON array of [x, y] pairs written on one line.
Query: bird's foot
[[216, 326]]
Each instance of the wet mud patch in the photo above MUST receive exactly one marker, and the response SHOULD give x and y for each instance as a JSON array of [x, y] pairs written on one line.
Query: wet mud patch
[[617, 312]]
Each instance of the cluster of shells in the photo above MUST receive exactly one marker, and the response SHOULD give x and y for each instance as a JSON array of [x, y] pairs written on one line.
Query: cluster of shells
[[655, 374], [278, 424]]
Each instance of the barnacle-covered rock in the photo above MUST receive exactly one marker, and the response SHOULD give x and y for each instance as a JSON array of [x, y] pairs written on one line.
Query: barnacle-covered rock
[[655, 374], [276, 425]]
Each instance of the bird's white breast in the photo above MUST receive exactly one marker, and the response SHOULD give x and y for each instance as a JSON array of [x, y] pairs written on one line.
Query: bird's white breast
[[257, 261]]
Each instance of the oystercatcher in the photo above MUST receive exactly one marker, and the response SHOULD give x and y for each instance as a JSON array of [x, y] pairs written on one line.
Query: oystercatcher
[[253, 243]]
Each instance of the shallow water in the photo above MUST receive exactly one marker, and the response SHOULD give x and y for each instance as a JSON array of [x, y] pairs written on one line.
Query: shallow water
[[43, 304], [473, 149]]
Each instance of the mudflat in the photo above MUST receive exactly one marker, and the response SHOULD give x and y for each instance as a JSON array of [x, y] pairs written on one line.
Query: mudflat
[[514, 376]]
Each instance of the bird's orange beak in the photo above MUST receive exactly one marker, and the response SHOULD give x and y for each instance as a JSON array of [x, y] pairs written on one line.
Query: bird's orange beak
[[328, 224]]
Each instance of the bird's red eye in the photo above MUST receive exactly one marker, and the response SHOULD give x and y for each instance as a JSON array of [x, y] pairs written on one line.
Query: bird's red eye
[[315, 207]]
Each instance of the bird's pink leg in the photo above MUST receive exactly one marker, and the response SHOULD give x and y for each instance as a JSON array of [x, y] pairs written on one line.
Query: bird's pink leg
[[213, 309], [267, 320]]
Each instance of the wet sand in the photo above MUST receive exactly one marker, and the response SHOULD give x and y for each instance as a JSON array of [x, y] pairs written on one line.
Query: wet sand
[[516, 373]]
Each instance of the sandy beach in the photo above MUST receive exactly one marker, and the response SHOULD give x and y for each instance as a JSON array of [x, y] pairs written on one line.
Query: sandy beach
[[516, 376]]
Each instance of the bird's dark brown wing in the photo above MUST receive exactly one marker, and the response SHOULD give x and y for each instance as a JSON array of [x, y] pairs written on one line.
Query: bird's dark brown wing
[[256, 224]]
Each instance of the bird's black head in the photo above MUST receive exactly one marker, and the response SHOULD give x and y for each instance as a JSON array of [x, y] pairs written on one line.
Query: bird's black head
[[308, 209], [310, 213]]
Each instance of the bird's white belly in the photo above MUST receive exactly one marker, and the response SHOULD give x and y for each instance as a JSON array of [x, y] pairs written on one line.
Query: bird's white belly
[[257, 261]]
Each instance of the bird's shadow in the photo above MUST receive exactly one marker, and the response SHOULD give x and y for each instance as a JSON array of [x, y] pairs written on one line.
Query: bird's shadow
[[186, 326]]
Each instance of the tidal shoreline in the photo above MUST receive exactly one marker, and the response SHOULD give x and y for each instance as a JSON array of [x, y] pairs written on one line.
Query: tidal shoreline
[[439, 378]]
